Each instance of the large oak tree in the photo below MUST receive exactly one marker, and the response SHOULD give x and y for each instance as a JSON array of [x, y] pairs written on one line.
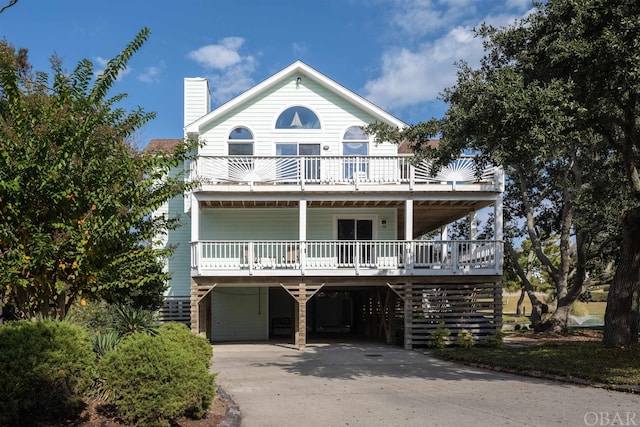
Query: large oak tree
[[555, 102]]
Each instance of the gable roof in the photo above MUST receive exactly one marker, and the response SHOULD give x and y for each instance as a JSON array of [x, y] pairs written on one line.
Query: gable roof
[[406, 147], [298, 68], [161, 145]]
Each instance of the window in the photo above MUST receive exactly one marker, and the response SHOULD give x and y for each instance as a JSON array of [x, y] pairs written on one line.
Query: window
[[290, 167], [240, 142], [298, 118], [355, 142]]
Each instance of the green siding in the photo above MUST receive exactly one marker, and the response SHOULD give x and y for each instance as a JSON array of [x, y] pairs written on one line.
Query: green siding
[[179, 264], [239, 314], [282, 224]]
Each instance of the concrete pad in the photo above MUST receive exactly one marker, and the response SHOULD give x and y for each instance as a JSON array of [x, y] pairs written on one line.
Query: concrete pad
[[377, 385]]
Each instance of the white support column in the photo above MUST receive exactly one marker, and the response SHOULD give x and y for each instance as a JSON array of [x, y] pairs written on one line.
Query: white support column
[[498, 232], [302, 233], [473, 226], [408, 234], [195, 231]]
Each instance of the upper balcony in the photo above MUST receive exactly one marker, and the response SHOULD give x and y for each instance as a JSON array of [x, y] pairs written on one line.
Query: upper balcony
[[339, 173]]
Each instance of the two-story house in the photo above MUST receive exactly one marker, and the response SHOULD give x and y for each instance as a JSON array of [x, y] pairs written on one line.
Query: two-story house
[[302, 227]]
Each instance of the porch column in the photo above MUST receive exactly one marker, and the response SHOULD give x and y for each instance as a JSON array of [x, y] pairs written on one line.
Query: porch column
[[200, 310], [473, 226], [498, 232], [301, 293], [408, 234], [195, 234], [302, 233], [195, 219]]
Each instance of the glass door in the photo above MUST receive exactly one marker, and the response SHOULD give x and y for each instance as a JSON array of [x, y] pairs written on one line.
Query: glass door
[[351, 233]]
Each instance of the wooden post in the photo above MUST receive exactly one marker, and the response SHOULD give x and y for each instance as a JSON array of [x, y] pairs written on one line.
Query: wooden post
[[408, 316], [301, 315], [301, 293], [195, 312]]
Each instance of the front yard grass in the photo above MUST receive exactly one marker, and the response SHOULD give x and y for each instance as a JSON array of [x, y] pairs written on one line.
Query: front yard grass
[[586, 360]]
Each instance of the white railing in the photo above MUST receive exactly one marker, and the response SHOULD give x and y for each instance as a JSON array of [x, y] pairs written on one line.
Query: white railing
[[207, 257], [303, 170]]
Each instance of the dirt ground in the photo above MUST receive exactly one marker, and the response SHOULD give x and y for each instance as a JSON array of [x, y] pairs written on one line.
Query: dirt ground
[[98, 414]]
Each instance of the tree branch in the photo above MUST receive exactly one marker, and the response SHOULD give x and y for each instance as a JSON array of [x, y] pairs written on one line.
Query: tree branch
[[7, 6]]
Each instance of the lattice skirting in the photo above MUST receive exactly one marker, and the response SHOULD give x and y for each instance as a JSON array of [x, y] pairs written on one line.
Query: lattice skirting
[[473, 308], [176, 309]]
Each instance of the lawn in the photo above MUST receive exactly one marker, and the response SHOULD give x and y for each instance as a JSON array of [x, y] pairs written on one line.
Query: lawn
[[561, 356]]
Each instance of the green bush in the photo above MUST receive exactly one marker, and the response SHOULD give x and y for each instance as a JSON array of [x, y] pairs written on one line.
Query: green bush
[[154, 380], [45, 367], [495, 340], [439, 337], [465, 339], [579, 309], [179, 333]]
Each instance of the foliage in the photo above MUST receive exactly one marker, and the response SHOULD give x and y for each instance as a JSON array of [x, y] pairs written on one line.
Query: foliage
[[496, 340], [179, 333], [590, 361], [153, 380], [96, 316], [104, 342], [45, 367], [579, 309], [129, 320], [439, 338], [465, 339], [559, 111], [76, 197]]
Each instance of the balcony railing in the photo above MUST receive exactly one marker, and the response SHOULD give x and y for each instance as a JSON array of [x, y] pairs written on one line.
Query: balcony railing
[[368, 257], [309, 170]]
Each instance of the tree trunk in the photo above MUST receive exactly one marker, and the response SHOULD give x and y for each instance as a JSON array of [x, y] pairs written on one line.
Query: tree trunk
[[621, 316], [519, 311]]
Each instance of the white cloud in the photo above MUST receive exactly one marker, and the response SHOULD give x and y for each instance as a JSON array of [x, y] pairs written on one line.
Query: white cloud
[[299, 49], [150, 75], [422, 17], [413, 76], [233, 80], [218, 56], [229, 72], [419, 69]]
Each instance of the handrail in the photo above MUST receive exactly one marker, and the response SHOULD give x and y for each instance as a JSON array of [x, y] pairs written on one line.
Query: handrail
[[211, 255], [303, 170]]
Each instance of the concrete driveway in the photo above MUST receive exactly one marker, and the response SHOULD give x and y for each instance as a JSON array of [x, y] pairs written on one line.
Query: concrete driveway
[[377, 385]]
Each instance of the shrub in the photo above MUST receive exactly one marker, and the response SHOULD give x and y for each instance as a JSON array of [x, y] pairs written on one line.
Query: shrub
[[465, 339], [579, 309], [179, 333], [45, 367], [95, 316], [439, 337], [495, 340], [153, 380], [129, 320]]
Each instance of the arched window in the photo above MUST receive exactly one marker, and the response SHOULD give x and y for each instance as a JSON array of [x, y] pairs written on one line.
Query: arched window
[[240, 142], [355, 142], [298, 118]]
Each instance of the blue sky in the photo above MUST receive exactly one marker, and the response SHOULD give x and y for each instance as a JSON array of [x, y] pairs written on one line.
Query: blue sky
[[398, 54]]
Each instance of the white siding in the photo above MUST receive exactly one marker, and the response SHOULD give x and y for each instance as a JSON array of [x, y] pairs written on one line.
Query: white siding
[[239, 314], [196, 99], [335, 114]]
